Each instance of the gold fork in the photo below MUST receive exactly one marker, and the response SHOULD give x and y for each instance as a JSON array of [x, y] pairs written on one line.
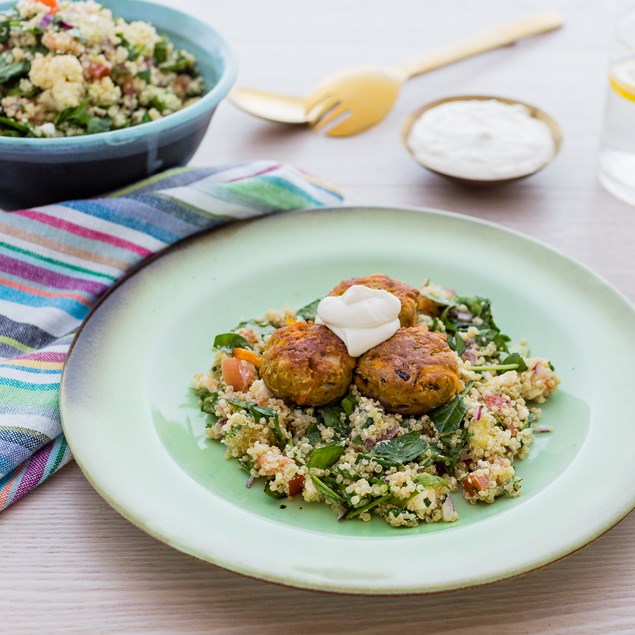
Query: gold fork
[[352, 101]]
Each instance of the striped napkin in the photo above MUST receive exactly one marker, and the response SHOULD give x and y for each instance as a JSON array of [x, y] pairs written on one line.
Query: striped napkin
[[56, 261]]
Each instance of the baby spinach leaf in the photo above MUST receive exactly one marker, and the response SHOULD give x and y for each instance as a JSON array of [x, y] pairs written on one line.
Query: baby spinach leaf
[[78, 115], [515, 358], [374, 503], [5, 30], [229, 341], [448, 418], [326, 456], [98, 124], [332, 418], [15, 68], [145, 75], [309, 312], [208, 402], [400, 450]]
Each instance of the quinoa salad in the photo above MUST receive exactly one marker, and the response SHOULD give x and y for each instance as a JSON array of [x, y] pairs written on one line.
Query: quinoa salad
[[440, 409], [71, 68]]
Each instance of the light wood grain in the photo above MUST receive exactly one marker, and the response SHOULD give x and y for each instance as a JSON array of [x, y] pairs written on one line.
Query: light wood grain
[[70, 563]]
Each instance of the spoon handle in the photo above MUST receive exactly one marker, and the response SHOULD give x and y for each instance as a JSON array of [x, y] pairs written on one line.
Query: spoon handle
[[492, 39]]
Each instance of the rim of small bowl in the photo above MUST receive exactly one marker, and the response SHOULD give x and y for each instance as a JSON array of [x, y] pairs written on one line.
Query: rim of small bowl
[[537, 113], [203, 105]]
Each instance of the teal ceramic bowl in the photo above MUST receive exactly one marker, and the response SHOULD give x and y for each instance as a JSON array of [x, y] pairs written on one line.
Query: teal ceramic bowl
[[40, 171]]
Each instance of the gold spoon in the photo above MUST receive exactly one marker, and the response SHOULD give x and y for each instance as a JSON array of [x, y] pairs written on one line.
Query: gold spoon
[[359, 98]]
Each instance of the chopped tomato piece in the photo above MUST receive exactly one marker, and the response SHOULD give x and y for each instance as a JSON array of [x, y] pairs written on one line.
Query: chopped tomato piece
[[237, 373], [473, 483], [97, 70], [296, 485]]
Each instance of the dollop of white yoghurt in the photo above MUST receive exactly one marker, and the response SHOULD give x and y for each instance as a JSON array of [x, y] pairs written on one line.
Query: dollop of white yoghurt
[[361, 317]]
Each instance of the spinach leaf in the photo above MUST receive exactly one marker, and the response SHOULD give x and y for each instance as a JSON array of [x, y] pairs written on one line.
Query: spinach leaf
[[431, 480], [208, 402], [459, 345], [326, 456], [98, 124], [400, 450], [145, 75], [12, 69], [515, 358], [348, 404], [331, 417], [448, 418], [78, 115], [309, 312], [229, 341], [313, 434]]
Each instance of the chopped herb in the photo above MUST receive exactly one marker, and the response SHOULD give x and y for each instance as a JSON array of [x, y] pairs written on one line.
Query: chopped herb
[[161, 50], [181, 64], [348, 404], [374, 503], [145, 75], [332, 418], [146, 118], [24, 128], [208, 402], [309, 312], [229, 341], [257, 412], [5, 30], [326, 491]]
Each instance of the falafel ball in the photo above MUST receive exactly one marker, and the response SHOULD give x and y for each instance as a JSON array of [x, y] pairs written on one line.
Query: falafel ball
[[407, 295], [307, 364], [411, 373]]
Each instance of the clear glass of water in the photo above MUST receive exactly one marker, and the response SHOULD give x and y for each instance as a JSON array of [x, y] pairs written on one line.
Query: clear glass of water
[[617, 145]]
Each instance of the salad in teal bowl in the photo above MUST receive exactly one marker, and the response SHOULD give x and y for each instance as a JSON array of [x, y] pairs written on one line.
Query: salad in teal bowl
[[95, 96]]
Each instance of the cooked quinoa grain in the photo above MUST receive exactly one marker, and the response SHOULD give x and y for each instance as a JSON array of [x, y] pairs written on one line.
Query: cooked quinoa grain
[[356, 455], [71, 68]]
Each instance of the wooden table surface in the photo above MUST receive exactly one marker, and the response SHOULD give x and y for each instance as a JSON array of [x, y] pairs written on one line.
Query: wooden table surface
[[71, 563]]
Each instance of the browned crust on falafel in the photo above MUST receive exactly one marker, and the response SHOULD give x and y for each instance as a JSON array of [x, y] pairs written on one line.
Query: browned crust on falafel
[[411, 373], [307, 364]]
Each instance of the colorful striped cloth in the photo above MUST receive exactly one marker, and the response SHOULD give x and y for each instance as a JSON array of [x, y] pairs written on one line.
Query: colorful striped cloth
[[56, 261]]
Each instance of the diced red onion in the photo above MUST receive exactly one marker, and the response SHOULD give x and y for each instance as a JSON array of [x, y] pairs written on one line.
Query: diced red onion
[[478, 413], [543, 428], [66, 25], [447, 509], [464, 316], [250, 482], [343, 511], [47, 20]]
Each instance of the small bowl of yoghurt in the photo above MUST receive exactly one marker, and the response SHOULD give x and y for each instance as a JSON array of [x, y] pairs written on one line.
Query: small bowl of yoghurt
[[481, 140]]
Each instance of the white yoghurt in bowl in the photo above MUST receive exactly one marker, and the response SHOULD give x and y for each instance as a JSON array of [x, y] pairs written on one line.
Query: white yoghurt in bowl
[[481, 139]]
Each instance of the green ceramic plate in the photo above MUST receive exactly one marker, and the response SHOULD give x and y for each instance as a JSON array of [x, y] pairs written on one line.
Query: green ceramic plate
[[136, 432]]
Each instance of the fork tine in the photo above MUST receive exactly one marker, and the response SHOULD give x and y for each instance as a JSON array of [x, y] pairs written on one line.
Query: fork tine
[[329, 117], [320, 108]]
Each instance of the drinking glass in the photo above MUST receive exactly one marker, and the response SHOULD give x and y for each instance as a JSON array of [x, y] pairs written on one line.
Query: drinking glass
[[617, 144]]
